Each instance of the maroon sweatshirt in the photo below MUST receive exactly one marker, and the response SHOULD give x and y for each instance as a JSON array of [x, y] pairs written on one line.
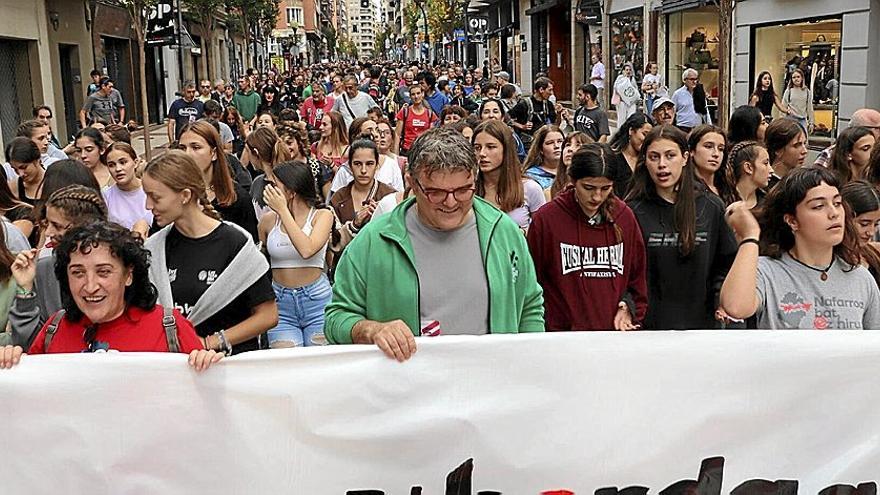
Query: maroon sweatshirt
[[586, 270]]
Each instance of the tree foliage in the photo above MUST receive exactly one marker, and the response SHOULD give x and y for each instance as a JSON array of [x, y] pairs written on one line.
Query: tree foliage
[[444, 16]]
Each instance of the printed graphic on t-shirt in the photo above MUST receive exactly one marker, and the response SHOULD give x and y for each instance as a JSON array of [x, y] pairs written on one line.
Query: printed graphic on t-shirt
[[592, 262], [208, 276], [583, 122], [190, 112], [824, 311], [670, 239]]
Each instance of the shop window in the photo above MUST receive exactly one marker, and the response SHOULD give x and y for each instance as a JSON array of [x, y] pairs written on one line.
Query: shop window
[[814, 49], [627, 45], [693, 43]]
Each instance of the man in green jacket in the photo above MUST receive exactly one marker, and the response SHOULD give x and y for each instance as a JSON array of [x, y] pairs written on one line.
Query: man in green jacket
[[246, 100], [443, 262]]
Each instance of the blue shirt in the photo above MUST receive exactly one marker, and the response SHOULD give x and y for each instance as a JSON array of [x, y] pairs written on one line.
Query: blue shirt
[[542, 177], [438, 100], [685, 114]]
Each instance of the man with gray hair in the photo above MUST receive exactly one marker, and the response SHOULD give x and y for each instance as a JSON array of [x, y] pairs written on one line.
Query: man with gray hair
[[442, 262], [354, 103], [863, 117]]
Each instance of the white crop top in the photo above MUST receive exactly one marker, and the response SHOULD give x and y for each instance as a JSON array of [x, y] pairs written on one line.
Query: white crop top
[[282, 253]]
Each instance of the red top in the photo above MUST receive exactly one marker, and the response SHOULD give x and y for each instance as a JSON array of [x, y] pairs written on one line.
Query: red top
[[312, 113], [415, 123], [135, 331]]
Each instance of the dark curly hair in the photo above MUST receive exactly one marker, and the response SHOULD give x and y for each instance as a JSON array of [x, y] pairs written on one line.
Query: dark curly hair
[[777, 236], [123, 245]]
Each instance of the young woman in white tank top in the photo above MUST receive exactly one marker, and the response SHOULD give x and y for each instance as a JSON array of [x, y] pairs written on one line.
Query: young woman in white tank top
[[295, 235]]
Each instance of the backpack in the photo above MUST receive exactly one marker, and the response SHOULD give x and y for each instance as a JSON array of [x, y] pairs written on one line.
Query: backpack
[[168, 322], [377, 94]]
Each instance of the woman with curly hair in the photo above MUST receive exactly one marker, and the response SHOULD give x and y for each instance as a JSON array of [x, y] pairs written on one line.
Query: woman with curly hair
[[798, 265], [109, 302], [38, 295]]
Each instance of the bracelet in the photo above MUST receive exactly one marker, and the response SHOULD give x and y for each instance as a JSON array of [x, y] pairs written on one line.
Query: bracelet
[[224, 343], [750, 240], [24, 293], [353, 228]]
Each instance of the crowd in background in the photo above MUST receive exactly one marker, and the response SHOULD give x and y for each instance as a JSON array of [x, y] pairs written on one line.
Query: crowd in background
[[376, 203]]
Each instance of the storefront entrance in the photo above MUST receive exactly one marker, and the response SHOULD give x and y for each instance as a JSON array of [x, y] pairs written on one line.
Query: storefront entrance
[[814, 48]]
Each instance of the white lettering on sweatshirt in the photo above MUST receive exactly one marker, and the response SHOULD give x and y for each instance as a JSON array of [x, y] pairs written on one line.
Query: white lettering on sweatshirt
[[597, 262]]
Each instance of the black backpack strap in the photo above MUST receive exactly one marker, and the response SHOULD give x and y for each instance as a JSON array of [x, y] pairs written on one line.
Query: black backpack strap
[[170, 325], [345, 100], [54, 322]]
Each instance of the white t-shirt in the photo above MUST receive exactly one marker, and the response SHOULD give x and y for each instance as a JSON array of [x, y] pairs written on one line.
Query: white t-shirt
[[126, 207], [388, 173], [598, 71]]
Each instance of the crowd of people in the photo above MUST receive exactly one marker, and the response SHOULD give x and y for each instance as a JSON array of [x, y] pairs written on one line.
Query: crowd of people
[[377, 203]]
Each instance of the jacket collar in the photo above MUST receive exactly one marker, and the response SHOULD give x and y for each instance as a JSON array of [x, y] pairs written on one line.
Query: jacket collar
[[486, 216]]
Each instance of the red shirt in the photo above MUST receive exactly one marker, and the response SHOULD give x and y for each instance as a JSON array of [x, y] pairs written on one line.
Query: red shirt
[[135, 331], [415, 124], [312, 113]]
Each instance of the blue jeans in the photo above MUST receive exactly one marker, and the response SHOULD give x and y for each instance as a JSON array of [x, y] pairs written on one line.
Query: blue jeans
[[300, 314]]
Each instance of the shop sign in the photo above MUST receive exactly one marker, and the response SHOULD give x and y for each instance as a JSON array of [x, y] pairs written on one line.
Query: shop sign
[[477, 25]]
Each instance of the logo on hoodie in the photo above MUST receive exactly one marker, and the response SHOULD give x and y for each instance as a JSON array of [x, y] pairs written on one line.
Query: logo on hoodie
[[594, 262]]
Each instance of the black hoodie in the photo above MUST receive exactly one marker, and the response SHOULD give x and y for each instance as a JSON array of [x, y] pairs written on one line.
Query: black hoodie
[[682, 292]]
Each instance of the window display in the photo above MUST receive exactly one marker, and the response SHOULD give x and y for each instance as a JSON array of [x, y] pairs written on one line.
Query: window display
[[626, 43], [693, 43], [813, 49]]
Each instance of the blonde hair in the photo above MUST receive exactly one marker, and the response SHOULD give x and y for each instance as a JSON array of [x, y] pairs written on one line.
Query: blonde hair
[[178, 171]]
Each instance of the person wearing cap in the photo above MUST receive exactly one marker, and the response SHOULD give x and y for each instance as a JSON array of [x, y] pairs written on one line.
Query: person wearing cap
[[663, 111], [502, 78], [105, 104]]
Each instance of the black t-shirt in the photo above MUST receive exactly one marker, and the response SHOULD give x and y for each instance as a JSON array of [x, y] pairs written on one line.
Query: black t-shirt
[[540, 113], [194, 264], [240, 212], [184, 112], [622, 176], [591, 121]]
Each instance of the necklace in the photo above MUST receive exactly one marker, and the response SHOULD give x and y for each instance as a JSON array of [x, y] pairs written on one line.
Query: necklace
[[823, 271]]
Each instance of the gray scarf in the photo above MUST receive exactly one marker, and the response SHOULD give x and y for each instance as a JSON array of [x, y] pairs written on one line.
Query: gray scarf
[[248, 266]]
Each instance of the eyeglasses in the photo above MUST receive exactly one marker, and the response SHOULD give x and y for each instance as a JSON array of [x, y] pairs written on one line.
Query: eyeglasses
[[692, 79], [206, 87], [438, 196]]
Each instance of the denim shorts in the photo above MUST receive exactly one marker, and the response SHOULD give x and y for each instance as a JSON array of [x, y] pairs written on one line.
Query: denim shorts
[[300, 314]]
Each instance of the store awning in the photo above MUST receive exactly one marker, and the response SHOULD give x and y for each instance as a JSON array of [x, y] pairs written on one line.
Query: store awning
[[543, 6], [671, 6]]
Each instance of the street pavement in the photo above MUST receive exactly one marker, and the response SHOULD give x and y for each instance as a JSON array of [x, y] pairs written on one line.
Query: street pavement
[[158, 140]]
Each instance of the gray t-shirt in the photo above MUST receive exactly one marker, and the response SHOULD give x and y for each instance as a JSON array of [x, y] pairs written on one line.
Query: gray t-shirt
[[352, 108], [791, 296], [15, 240], [453, 289], [98, 106]]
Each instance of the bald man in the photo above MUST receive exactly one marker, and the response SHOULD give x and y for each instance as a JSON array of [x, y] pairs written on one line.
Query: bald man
[[863, 117]]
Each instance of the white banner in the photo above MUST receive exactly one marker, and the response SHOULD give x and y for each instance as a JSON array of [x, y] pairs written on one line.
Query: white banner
[[588, 412]]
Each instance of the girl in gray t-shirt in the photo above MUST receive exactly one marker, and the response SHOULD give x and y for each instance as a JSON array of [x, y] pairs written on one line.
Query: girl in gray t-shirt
[[810, 276]]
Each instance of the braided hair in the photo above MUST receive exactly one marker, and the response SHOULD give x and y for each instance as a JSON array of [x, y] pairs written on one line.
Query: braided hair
[[740, 153], [79, 204], [178, 171]]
